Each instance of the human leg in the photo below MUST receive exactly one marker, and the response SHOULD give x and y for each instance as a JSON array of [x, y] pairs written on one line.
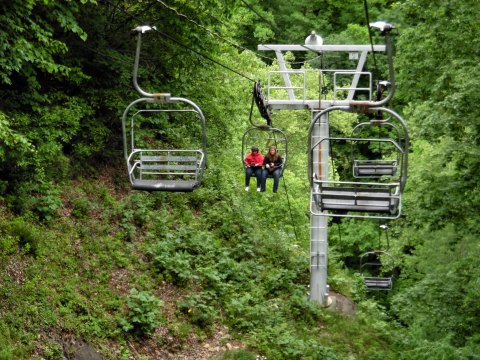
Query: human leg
[[264, 180], [258, 175], [276, 180], [248, 175]]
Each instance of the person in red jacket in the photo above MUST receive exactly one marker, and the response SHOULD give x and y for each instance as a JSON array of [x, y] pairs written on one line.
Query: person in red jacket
[[253, 166]]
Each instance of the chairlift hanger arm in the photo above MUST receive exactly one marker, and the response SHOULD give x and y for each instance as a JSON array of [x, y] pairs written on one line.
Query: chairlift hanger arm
[[172, 100], [385, 29], [161, 97]]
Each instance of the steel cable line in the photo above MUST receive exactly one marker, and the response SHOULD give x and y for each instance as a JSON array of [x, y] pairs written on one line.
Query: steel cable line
[[370, 33], [178, 42], [203, 55], [230, 42], [211, 32], [260, 16], [290, 209]]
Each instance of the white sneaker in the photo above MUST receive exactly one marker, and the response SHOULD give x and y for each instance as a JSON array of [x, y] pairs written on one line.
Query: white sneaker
[[247, 188], [258, 189]]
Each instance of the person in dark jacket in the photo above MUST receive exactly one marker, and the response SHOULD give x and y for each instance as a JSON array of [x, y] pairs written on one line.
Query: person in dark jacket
[[253, 166], [272, 167]]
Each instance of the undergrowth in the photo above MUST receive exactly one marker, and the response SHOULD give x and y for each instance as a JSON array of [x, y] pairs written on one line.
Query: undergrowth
[[96, 273]]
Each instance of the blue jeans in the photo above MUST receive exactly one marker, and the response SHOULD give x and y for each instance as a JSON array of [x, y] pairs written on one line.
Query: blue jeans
[[249, 171], [276, 179]]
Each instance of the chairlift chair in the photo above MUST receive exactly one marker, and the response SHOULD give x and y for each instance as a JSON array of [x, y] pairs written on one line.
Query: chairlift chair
[[371, 269], [264, 137], [372, 196], [154, 168], [158, 169], [391, 152]]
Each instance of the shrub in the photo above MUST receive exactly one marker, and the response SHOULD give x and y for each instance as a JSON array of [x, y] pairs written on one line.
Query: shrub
[[41, 198], [28, 238], [238, 355], [81, 207], [143, 314], [6, 350], [199, 310]]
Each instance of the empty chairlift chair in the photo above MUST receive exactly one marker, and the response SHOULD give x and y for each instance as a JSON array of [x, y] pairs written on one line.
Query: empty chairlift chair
[[373, 195], [372, 271], [151, 165], [153, 168], [387, 148]]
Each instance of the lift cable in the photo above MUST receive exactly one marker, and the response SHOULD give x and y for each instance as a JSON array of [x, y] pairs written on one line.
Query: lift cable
[[178, 42], [228, 41], [370, 33], [260, 16], [203, 55], [211, 32], [290, 208]]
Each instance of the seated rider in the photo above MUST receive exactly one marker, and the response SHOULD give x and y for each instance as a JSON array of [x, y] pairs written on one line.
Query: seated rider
[[273, 167], [253, 166]]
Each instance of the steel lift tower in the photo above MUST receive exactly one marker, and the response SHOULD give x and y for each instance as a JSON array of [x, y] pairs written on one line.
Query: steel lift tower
[[289, 89]]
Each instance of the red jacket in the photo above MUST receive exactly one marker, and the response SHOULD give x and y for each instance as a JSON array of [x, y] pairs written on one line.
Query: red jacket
[[254, 159]]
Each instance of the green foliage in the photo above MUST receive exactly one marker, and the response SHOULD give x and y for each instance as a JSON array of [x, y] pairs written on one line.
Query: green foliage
[[199, 309], [143, 314], [28, 237], [11, 139], [41, 198], [234, 258], [286, 23], [34, 40], [6, 346], [81, 207], [444, 295], [237, 355]]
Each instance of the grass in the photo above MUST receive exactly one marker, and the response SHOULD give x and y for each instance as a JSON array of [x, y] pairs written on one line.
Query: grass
[[203, 264]]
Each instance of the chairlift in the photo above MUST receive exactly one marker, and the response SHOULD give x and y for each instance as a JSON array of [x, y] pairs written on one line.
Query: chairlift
[[264, 137], [373, 196], [372, 269], [388, 146], [151, 167]]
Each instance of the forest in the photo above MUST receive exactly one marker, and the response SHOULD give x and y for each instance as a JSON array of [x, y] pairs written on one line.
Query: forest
[[92, 269]]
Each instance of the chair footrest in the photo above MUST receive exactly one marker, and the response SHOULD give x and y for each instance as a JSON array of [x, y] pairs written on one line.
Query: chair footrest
[[357, 199], [377, 283], [165, 185], [375, 170]]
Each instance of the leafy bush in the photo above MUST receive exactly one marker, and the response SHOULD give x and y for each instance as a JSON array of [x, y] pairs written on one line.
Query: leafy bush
[[28, 238], [6, 349], [40, 198], [199, 309], [143, 314], [81, 207], [238, 355]]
